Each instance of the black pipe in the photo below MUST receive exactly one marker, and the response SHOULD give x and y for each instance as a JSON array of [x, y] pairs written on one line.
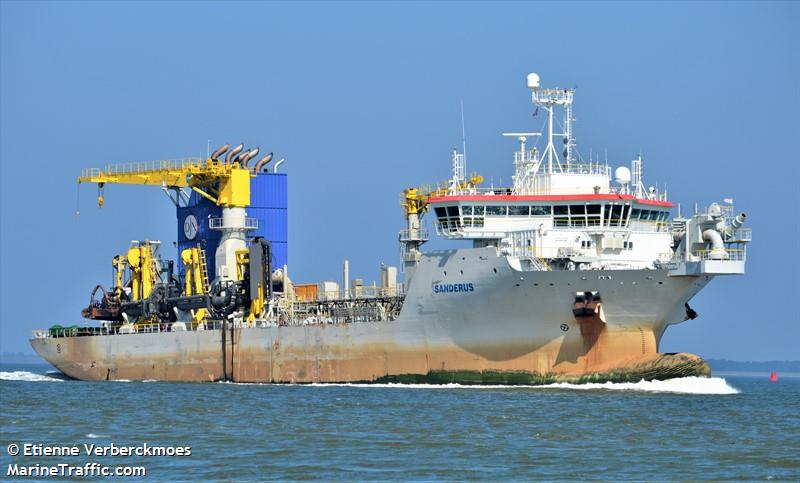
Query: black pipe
[[224, 357]]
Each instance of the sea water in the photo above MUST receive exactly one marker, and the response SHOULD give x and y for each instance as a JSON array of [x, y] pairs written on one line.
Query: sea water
[[689, 428]]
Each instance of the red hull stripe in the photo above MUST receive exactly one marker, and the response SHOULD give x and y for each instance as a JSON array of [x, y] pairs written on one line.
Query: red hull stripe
[[507, 198]]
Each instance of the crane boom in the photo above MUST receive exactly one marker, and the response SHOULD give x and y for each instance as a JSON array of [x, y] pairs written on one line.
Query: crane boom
[[226, 184]]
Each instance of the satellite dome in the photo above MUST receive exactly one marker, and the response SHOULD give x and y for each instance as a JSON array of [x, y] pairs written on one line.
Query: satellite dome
[[533, 80], [622, 175]]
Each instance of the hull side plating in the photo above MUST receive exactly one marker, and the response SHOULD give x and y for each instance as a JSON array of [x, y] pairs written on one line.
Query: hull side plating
[[468, 317]]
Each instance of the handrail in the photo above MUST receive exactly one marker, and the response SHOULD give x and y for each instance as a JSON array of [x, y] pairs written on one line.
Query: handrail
[[218, 223], [143, 167], [733, 254]]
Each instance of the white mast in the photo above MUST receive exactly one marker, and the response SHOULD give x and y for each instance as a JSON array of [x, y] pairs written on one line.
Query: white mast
[[547, 99], [638, 185]]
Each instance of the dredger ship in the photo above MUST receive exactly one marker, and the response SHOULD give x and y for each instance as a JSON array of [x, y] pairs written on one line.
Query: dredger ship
[[573, 276]]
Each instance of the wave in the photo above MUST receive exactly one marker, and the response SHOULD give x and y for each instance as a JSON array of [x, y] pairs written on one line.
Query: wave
[[682, 385], [30, 376]]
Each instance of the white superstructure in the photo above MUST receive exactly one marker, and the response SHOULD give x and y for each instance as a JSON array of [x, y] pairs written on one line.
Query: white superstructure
[[565, 212]]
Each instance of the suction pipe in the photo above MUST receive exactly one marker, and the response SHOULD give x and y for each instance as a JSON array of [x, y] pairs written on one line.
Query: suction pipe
[[717, 247]]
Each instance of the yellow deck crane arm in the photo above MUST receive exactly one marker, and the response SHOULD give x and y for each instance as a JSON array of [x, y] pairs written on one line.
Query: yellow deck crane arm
[[224, 182], [415, 200]]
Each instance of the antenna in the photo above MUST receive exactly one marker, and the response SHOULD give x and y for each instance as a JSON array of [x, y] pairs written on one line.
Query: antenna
[[463, 135], [526, 163], [638, 185], [548, 99]]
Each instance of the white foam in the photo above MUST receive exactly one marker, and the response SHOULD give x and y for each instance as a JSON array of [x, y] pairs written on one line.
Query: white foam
[[95, 436], [27, 376], [683, 385]]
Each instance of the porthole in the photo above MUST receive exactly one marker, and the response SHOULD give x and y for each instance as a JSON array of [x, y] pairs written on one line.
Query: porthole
[[552, 284], [495, 270], [535, 284], [661, 283], [461, 272], [445, 273]]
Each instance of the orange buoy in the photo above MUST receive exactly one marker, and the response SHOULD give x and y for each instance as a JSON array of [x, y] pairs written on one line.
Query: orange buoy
[[773, 376]]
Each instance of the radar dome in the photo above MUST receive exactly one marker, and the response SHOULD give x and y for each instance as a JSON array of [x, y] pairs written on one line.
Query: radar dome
[[533, 80], [622, 175]]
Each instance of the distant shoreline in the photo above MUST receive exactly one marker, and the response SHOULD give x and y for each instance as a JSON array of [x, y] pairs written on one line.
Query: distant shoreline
[[781, 375]]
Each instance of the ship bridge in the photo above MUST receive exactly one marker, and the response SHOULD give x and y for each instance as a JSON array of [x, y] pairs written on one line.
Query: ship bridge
[[565, 211]]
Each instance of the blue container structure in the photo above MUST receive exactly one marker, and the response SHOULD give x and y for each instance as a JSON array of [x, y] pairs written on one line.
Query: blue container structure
[[269, 203]]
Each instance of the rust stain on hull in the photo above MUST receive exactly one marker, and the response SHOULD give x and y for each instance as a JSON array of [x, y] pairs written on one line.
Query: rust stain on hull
[[319, 354]]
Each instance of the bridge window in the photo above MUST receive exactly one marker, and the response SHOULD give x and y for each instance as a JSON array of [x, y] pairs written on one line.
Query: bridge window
[[541, 210], [615, 214], [452, 210], [478, 210], [441, 212], [561, 217], [466, 210], [577, 210], [518, 210], [494, 210], [593, 215]]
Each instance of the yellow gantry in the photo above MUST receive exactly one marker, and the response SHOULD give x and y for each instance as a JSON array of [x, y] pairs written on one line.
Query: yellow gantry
[[194, 260], [144, 272], [225, 184], [415, 200]]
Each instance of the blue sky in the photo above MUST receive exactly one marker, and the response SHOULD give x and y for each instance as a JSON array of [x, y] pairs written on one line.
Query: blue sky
[[362, 99]]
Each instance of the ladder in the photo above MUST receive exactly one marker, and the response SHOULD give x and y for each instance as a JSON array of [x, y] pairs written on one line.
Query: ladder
[[203, 268]]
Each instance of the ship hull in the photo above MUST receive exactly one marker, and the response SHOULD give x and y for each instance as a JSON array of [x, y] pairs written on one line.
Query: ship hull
[[468, 317]]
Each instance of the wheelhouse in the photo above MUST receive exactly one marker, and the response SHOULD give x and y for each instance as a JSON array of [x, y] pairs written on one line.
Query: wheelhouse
[[468, 216]]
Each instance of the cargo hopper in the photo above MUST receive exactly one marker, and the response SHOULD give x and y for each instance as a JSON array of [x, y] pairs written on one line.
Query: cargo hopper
[[573, 276]]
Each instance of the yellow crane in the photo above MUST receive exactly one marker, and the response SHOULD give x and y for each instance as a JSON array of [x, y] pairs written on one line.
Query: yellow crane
[[224, 182], [415, 203], [415, 200]]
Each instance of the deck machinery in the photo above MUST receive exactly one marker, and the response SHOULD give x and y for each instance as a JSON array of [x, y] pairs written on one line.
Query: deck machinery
[[243, 286], [146, 289]]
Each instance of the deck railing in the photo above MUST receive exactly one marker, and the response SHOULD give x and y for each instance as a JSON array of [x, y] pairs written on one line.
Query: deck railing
[[142, 167]]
